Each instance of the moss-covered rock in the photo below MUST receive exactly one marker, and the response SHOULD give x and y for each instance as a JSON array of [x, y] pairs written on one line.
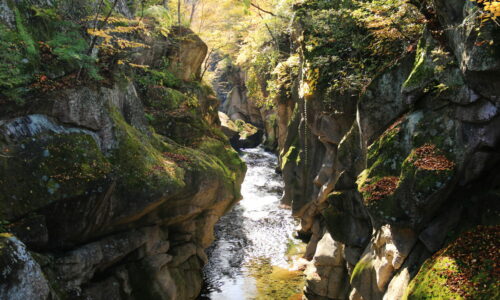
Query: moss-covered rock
[[423, 69], [465, 269], [144, 171], [410, 167], [50, 168], [346, 219], [274, 282]]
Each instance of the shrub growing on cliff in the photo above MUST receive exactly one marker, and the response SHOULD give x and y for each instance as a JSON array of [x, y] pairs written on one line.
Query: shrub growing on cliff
[[350, 41]]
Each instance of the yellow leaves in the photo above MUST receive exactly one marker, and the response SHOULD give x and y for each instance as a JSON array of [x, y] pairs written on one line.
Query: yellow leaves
[[127, 62], [113, 20], [99, 33], [123, 29], [138, 66], [115, 26], [491, 8], [124, 44]]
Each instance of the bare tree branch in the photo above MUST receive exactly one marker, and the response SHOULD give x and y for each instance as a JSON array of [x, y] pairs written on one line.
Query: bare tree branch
[[266, 11], [207, 60], [94, 38]]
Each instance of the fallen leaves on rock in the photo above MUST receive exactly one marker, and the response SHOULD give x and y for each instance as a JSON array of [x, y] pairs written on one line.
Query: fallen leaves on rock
[[428, 157], [476, 254], [383, 187]]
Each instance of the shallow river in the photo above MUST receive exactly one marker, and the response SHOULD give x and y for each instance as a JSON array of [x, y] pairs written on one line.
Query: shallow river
[[255, 237]]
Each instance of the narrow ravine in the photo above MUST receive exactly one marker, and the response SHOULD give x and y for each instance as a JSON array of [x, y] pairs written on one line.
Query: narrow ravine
[[255, 239]]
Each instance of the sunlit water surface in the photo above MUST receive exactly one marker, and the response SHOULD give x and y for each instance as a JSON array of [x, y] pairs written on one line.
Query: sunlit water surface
[[258, 227]]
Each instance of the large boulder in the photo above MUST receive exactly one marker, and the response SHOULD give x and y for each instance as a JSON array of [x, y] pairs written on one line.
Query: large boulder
[[21, 276], [326, 273]]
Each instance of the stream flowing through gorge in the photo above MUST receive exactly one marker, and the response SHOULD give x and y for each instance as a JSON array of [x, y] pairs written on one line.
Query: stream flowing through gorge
[[254, 242]]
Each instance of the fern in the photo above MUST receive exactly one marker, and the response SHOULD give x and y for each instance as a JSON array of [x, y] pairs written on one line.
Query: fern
[[31, 49], [13, 73], [70, 48]]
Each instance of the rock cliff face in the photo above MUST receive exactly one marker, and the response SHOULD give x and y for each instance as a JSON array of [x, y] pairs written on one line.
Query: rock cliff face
[[110, 190], [384, 180]]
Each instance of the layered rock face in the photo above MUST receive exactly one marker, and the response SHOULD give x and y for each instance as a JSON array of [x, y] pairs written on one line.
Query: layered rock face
[[110, 191], [384, 180]]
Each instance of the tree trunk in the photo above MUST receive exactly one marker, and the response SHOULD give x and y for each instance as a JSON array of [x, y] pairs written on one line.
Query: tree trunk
[[193, 9], [179, 12], [165, 3]]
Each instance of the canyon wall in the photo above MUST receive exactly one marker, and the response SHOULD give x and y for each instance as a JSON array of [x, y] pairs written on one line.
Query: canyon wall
[[110, 188], [396, 183]]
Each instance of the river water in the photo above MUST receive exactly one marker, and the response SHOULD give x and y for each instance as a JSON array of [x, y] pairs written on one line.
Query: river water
[[258, 229]]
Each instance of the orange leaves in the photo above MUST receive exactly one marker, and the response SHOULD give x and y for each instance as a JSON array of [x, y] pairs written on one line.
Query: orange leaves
[[427, 157], [383, 187], [44, 84]]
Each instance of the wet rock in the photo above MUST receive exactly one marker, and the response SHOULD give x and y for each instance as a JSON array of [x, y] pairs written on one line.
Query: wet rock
[[79, 265], [241, 134], [251, 141], [317, 233], [228, 126], [32, 231]]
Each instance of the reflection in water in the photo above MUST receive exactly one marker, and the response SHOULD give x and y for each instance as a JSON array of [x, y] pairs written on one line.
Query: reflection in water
[[256, 228]]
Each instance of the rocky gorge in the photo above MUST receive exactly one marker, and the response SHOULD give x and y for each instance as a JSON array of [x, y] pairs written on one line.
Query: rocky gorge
[[394, 182], [117, 159]]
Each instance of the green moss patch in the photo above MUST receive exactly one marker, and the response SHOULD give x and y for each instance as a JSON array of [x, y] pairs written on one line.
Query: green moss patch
[[468, 268], [274, 282], [423, 70], [426, 171], [363, 265], [143, 169], [380, 180], [416, 158]]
